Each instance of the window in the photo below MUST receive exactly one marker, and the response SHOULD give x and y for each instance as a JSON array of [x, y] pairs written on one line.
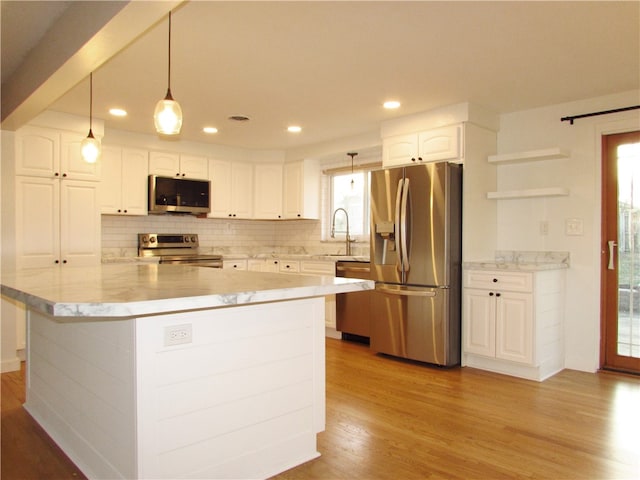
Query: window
[[350, 191]]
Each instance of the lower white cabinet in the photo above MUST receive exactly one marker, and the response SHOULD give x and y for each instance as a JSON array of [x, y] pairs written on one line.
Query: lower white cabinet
[[234, 264], [513, 322], [263, 265]]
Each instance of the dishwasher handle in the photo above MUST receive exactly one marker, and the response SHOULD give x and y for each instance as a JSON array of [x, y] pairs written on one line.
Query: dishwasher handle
[[353, 269], [406, 291]]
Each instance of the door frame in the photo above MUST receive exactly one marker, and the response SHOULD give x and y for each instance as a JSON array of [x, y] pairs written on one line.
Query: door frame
[[606, 302]]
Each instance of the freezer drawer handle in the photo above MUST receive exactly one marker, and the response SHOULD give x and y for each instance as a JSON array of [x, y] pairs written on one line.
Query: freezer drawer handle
[[407, 292]]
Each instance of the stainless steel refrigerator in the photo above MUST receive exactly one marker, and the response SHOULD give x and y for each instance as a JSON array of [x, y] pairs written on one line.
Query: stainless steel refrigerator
[[416, 215]]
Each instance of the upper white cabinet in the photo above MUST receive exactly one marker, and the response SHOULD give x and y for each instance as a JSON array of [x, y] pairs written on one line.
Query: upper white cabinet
[[231, 189], [57, 222], [43, 152], [301, 189], [267, 202], [427, 146], [178, 165], [124, 181]]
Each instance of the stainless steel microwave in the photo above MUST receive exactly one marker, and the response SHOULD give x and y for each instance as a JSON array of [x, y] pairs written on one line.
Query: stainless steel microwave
[[179, 195]]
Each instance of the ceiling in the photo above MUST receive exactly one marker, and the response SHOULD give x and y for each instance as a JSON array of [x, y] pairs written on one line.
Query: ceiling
[[329, 66]]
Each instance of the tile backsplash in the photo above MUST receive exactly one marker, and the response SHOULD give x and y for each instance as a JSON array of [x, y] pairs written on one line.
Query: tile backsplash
[[251, 237]]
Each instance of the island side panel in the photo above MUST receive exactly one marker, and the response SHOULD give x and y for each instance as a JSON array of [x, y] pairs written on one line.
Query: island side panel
[[80, 389], [244, 398]]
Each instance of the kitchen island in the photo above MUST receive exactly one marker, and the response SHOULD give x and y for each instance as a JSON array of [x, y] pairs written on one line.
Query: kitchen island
[[171, 371]]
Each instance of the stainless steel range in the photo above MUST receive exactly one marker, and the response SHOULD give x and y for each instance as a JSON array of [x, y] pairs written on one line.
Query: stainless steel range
[[182, 248]]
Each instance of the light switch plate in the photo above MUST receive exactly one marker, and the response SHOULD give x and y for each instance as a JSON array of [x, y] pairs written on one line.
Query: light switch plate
[[573, 226]]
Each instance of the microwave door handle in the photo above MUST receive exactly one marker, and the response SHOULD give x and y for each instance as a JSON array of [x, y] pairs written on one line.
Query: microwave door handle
[[403, 227], [397, 224]]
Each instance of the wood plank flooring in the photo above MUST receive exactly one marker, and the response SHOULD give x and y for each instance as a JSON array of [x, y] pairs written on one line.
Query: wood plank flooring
[[390, 419]]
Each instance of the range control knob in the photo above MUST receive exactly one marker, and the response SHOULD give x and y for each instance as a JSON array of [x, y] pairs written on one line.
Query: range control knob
[[152, 239], [186, 239], [194, 239]]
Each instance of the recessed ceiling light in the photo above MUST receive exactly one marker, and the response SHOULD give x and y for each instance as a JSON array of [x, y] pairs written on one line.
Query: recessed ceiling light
[[118, 112], [391, 104], [210, 130], [294, 129]]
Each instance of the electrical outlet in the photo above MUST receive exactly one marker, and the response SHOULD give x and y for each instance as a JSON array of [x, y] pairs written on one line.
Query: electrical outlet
[[177, 334], [544, 227]]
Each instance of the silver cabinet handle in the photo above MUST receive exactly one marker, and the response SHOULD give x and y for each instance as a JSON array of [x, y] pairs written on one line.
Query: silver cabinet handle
[[612, 244]]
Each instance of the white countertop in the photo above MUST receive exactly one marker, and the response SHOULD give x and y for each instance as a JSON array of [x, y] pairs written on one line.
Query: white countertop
[[525, 267], [128, 290]]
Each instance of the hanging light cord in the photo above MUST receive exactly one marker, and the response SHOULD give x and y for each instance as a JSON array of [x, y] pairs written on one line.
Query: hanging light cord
[[91, 104], [169, 69]]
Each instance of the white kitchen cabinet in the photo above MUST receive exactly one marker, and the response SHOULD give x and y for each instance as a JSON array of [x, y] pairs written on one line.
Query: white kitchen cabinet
[[263, 265], [512, 321], [302, 189], [231, 189], [428, 146], [237, 264], [318, 267], [178, 165], [49, 153], [267, 202], [57, 222], [124, 181], [289, 266]]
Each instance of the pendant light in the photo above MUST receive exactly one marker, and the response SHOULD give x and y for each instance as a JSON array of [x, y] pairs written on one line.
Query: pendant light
[[352, 154], [90, 147], [168, 114]]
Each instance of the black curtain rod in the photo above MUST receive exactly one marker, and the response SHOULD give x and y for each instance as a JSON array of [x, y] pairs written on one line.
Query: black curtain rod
[[593, 114]]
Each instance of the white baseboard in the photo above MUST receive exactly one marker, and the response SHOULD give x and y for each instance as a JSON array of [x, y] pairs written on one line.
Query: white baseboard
[[10, 365]]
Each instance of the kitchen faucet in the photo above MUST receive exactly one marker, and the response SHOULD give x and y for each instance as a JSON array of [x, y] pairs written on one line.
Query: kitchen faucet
[[348, 239]]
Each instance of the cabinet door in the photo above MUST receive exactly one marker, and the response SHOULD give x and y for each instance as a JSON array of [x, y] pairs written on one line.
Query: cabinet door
[[72, 165], [399, 150], [289, 266], [234, 264], [79, 223], [268, 191], [164, 164], [37, 152], [220, 176], [135, 165], [293, 190], [479, 322], [192, 166], [439, 144], [111, 185], [514, 327], [37, 222], [242, 190]]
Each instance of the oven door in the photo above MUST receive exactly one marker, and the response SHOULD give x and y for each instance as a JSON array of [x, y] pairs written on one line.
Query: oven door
[[204, 262]]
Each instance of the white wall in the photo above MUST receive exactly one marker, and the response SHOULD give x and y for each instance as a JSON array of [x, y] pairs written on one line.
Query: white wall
[[519, 220]]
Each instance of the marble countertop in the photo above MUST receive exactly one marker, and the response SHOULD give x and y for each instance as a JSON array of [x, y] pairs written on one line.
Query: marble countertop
[[136, 289], [528, 267], [299, 256]]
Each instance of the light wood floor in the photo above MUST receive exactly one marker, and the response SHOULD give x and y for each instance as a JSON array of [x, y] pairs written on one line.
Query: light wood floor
[[391, 419]]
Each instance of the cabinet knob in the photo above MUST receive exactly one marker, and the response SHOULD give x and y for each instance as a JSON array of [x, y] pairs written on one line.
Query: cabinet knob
[[56, 174], [299, 215], [64, 261], [125, 211], [497, 294], [64, 175], [57, 261], [178, 174], [491, 294], [494, 280], [119, 211], [420, 159], [413, 159]]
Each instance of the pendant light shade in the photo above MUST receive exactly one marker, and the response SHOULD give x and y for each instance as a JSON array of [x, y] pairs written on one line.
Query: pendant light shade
[[352, 154], [90, 147], [168, 114]]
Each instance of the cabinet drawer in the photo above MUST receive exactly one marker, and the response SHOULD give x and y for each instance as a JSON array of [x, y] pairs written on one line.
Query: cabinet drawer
[[499, 280], [317, 267], [289, 267]]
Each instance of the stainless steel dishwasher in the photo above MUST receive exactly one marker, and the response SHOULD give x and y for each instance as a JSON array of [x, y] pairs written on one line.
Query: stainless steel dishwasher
[[352, 309]]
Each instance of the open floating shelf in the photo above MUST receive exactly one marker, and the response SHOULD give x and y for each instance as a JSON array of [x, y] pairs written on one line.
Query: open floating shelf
[[529, 156], [529, 193]]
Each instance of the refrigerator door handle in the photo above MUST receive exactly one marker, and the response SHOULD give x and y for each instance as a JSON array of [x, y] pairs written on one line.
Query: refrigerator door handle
[[397, 224], [406, 291], [403, 227]]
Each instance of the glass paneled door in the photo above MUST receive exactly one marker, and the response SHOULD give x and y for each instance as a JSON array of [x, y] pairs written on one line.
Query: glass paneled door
[[621, 252]]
